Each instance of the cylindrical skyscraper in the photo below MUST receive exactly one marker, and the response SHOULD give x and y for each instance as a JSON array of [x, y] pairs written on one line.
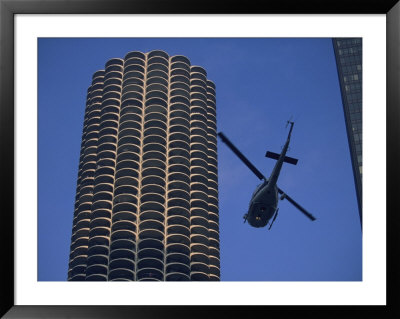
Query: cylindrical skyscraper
[[146, 205]]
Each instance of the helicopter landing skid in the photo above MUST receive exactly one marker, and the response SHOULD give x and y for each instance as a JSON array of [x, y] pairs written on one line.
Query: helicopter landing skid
[[244, 218], [276, 214]]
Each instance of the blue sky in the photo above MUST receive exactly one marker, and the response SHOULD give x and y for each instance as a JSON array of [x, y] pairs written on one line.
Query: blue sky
[[260, 82]]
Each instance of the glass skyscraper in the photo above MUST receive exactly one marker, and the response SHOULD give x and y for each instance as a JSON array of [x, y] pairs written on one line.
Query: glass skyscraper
[[146, 205], [348, 53]]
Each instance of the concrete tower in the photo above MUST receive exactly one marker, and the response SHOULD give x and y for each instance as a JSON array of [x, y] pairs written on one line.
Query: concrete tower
[[146, 203]]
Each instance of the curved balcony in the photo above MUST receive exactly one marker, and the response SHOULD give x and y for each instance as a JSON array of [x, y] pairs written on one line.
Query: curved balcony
[[197, 178], [180, 78], [133, 61], [111, 87], [79, 261], [158, 73], [178, 223], [178, 268], [179, 185], [177, 248], [100, 250], [199, 268], [153, 189], [99, 240], [129, 139], [130, 217], [123, 244], [125, 198], [132, 87], [198, 131], [155, 155], [127, 160], [199, 170], [156, 101], [151, 233], [151, 253], [199, 229], [179, 160], [100, 222], [181, 72], [113, 81], [96, 271], [177, 238], [130, 132], [180, 136], [127, 172], [113, 74], [133, 81], [78, 270], [180, 107], [122, 253], [157, 80], [177, 258], [150, 274], [122, 263], [180, 85], [154, 139], [152, 215], [197, 76], [123, 234], [199, 195], [158, 53], [96, 277], [153, 163], [101, 260], [181, 152], [127, 157], [178, 211], [157, 87], [199, 258], [180, 58], [151, 243], [180, 114], [132, 75], [124, 207], [112, 131], [195, 124], [199, 106], [101, 195], [121, 274], [155, 124], [127, 181], [152, 206], [135, 54], [125, 189], [155, 131], [133, 68], [108, 123], [179, 168], [155, 66], [101, 204]]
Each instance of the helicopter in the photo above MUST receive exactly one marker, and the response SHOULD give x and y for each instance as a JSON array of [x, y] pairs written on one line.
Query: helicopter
[[264, 201]]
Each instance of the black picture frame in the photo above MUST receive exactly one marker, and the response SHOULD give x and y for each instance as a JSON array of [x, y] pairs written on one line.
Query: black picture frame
[[9, 8]]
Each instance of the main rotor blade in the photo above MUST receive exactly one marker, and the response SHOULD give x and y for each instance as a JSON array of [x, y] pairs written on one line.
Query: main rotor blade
[[291, 200], [241, 156]]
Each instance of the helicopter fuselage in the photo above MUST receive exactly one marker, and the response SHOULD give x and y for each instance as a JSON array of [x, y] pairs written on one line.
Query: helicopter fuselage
[[264, 201], [263, 205]]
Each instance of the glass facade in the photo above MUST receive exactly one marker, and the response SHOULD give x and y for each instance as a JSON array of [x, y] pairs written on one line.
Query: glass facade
[[348, 53], [146, 205]]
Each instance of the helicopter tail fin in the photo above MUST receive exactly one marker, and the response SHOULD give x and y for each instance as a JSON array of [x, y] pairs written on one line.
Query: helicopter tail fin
[[287, 159]]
